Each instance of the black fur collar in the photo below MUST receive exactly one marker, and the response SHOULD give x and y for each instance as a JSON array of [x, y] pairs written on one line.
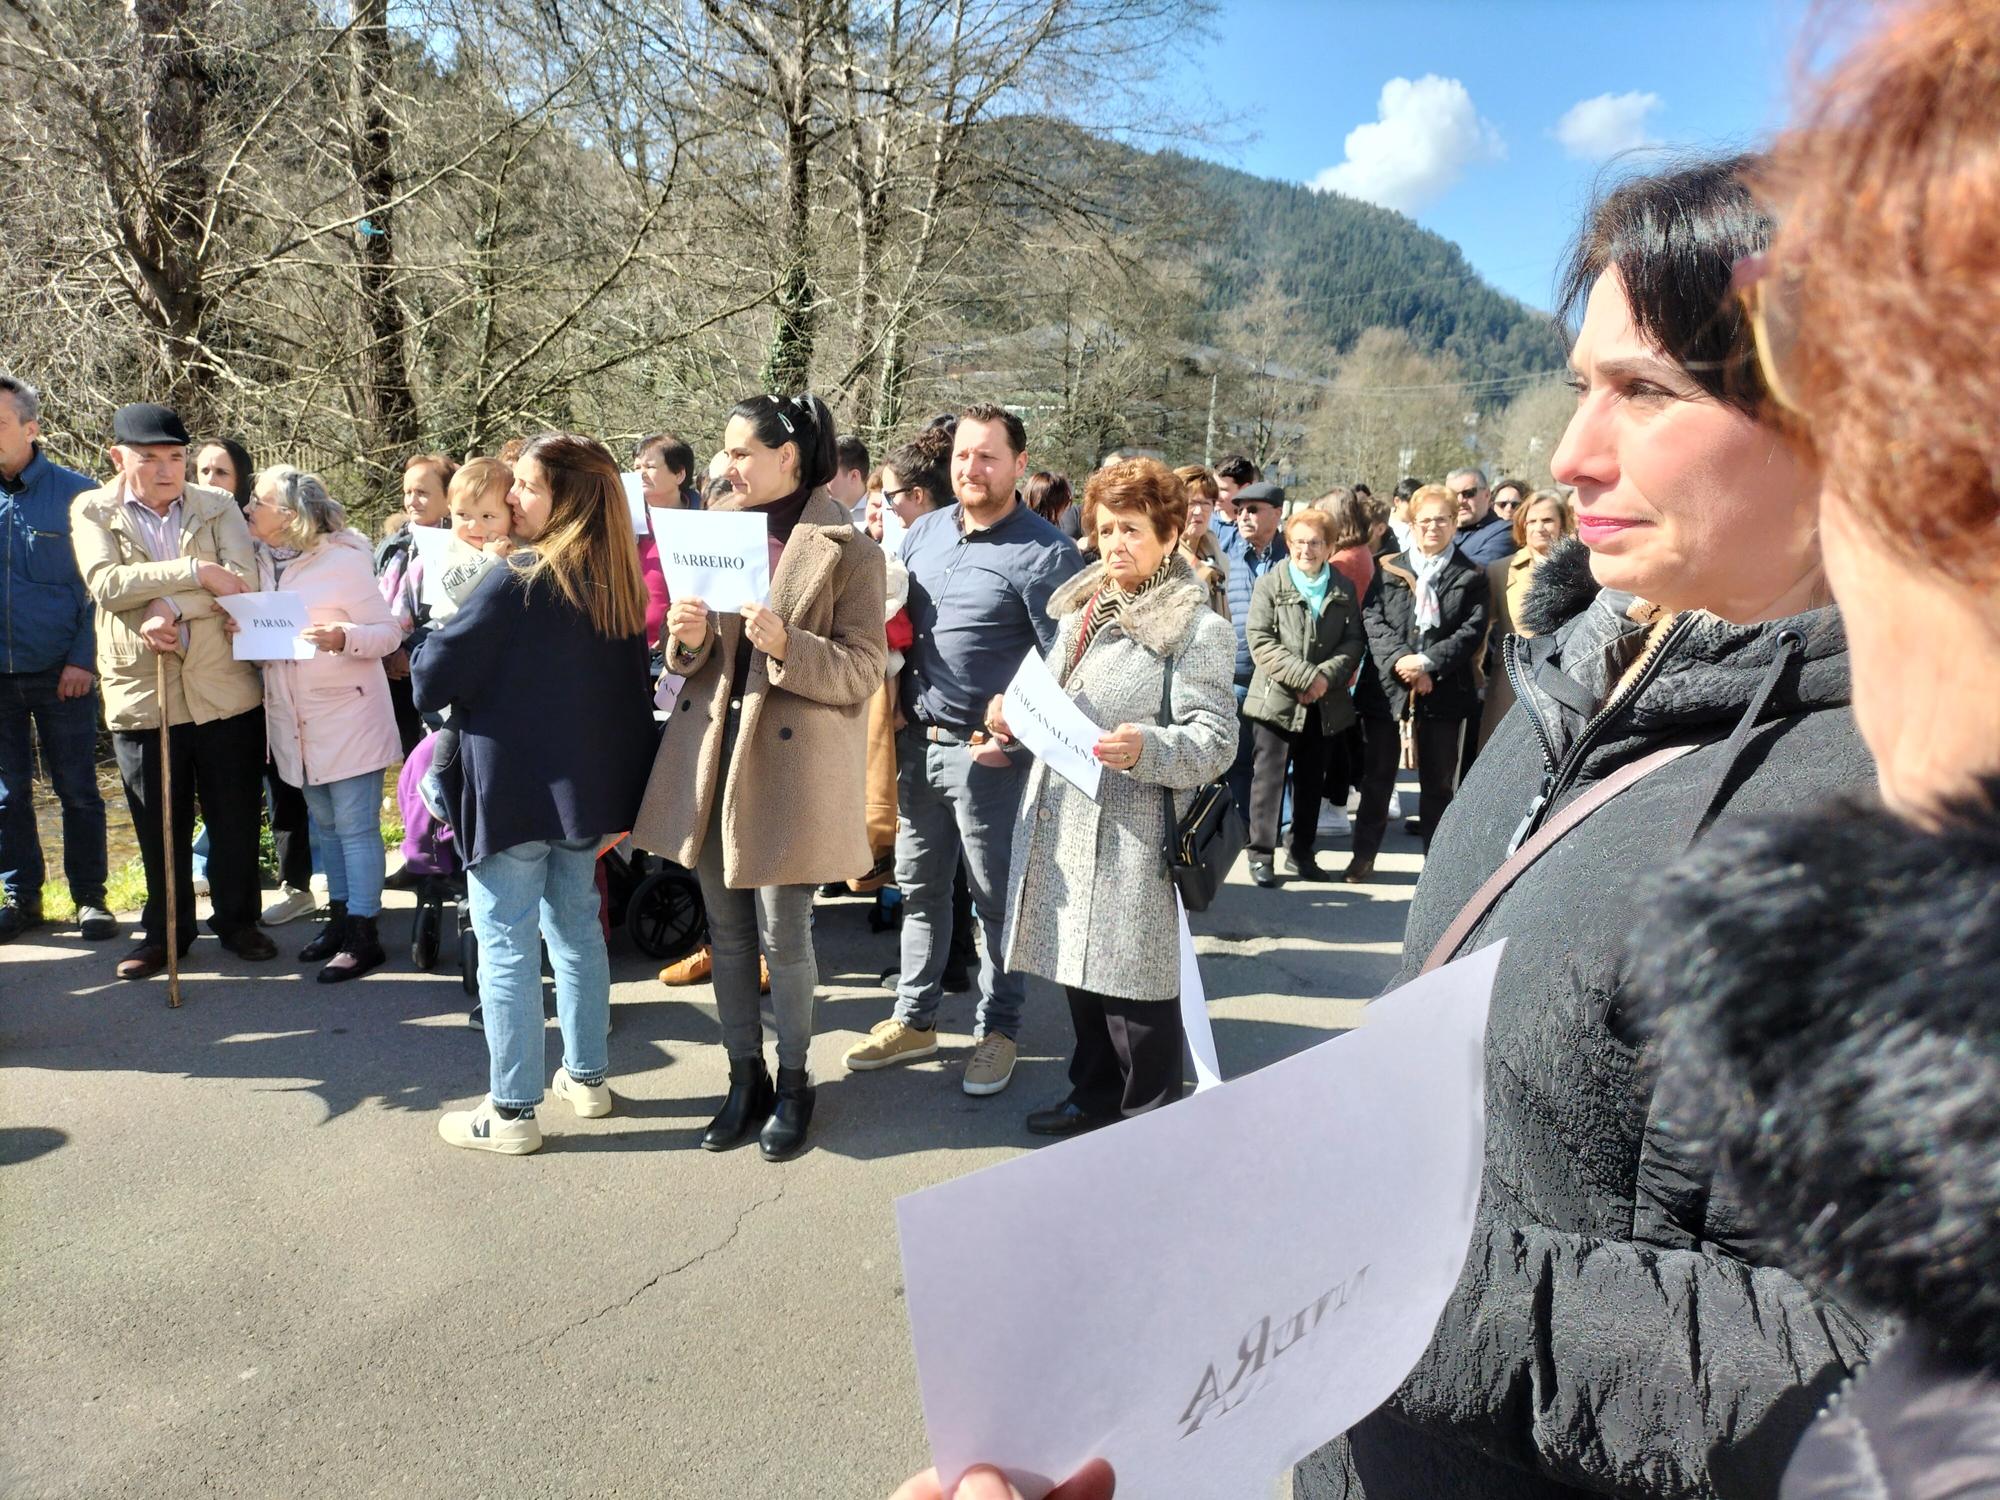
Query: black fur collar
[[1825, 991], [1563, 588]]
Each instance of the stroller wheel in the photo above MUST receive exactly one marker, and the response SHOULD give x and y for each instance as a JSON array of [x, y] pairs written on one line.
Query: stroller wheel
[[425, 933], [468, 962], [665, 915]]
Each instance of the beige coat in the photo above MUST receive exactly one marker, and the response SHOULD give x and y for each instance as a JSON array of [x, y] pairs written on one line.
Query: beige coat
[[206, 683], [1508, 581], [795, 794]]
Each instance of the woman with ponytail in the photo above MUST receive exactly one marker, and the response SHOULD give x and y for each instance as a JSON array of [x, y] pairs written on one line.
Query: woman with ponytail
[[544, 669], [759, 786]]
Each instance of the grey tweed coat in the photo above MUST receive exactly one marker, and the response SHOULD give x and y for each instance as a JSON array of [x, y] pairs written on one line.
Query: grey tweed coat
[[1091, 903]]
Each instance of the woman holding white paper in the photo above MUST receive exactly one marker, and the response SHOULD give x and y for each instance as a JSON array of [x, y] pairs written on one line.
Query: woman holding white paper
[[760, 781], [1092, 906], [330, 721]]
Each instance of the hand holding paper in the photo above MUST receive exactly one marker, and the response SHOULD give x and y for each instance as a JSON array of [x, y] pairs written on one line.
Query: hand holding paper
[[1043, 717]]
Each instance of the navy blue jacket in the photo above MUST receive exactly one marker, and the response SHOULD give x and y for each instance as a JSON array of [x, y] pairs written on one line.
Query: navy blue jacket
[[1489, 541], [556, 722], [979, 603], [45, 615], [1245, 568]]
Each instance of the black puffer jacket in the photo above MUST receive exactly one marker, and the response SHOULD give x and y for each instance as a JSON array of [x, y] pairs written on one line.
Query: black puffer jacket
[[1824, 990], [1614, 1331], [1390, 614]]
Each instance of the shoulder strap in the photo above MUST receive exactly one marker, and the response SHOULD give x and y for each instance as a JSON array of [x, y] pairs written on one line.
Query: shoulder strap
[[1171, 825], [1497, 883]]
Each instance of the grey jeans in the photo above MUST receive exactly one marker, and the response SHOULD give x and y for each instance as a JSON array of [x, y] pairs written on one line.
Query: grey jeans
[[780, 918], [947, 802]]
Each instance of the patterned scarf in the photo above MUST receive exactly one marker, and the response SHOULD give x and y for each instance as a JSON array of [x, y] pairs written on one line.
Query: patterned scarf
[[1108, 605]]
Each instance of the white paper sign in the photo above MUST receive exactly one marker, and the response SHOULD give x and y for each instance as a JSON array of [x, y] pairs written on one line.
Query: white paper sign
[[1194, 1009], [893, 532], [635, 500], [433, 546], [268, 626], [722, 557], [1204, 1295], [1045, 719]]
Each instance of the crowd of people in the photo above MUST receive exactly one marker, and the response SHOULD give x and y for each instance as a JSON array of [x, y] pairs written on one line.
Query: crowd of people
[[1742, 1067]]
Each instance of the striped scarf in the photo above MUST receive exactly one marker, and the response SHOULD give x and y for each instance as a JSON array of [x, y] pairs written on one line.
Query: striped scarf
[[1108, 605]]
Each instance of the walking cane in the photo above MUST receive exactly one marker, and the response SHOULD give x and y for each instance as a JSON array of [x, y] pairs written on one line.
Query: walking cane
[[167, 860]]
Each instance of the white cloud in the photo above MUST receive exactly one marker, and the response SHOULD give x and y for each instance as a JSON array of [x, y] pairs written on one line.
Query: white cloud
[[1426, 134], [1595, 129]]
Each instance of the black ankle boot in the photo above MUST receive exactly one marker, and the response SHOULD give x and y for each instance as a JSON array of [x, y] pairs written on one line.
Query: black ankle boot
[[331, 936], [785, 1132], [746, 1107], [362, 945]]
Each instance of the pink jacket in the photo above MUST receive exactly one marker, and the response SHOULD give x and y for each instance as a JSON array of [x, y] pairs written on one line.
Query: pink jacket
[[656, 589], [330, 718]]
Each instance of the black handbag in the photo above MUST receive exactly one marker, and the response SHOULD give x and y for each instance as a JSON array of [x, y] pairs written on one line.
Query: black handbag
[[1201, 848]]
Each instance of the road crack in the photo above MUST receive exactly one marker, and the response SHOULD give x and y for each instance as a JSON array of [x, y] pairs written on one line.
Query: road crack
[[657, 1277]]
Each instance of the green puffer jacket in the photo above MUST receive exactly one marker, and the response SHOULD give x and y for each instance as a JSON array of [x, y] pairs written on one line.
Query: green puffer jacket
[[1291, 648]]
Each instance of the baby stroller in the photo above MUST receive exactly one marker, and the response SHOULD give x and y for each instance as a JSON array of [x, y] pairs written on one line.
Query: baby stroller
[[657, 901], [431, 854]]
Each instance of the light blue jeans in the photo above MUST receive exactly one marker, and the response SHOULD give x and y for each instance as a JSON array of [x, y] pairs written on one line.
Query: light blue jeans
[[544, 890], [347, 816]]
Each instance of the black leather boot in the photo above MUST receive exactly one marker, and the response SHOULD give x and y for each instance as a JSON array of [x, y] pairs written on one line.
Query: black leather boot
[[746, 1107], [785, 1132], [331, 936], [362, 947]]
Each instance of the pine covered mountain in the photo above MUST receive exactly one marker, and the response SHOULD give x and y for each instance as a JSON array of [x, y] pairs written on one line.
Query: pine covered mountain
[[1349, 266]]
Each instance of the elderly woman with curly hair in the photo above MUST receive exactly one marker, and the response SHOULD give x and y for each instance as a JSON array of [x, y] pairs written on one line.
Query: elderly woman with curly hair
[[1092, 908]]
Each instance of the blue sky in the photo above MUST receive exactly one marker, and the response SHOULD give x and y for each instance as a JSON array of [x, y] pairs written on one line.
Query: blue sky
[[1507, 109]]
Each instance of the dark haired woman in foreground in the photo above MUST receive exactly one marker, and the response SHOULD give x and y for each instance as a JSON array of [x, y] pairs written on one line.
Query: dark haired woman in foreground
[[760, 779], [544, 668], [1827, 980]]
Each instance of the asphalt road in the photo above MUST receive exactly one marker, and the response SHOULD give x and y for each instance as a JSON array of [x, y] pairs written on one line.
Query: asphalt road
[[239, 1262]]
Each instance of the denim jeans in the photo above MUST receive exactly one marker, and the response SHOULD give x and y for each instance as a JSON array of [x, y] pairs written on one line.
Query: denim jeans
[[948, 802], [543, 890], [67, 728], [348, 815]]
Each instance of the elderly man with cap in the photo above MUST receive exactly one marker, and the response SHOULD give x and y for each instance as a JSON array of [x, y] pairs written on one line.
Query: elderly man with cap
[[1253, 547], [47, 678], [155, 552]]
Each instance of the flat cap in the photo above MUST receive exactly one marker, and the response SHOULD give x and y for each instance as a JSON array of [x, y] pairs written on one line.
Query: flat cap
[[142, 423], [1269, 494]]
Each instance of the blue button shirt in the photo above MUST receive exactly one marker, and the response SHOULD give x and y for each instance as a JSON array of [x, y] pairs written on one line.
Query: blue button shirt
[[978, 605], [1246, 566], [46, 620]]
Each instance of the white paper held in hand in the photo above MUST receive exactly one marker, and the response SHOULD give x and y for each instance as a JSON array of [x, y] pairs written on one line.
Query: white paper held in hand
[[722, 557], [268, 626], [635, 500], [1045, 719], [433, 546], [1204, 1295]]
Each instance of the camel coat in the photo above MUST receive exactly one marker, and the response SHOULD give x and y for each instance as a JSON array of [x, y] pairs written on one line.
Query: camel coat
[[1507, 582], [205, 682], [794, 794]]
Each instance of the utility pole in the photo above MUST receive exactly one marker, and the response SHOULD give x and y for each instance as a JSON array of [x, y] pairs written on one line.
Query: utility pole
[[1208, 443]]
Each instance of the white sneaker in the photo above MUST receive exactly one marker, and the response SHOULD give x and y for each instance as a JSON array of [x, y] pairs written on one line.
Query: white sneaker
[[1395, 807], [1334, 821], [292, 903], [483, 1129], [590, 1100]]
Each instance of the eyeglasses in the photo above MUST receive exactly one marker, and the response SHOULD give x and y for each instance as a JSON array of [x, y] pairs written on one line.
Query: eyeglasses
[[1505, 507], [894, 494], [1467, 494], [1774, 328]]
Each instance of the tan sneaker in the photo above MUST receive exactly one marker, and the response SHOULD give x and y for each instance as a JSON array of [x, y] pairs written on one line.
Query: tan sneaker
[[699, 968], [992, 1064], [889, 1042], [590, 1100], [482, 1129]]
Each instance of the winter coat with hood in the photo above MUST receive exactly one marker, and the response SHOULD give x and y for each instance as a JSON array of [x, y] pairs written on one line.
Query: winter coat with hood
[[329, 718], [1821, 988], [1092, 904], [1293, 648], [794, 791], [1615, 1330], [1453, 644]]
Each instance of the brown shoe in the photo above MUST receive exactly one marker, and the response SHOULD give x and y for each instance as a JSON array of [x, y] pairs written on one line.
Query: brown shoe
[[1359, 872], [699, 968], [143, 962]]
